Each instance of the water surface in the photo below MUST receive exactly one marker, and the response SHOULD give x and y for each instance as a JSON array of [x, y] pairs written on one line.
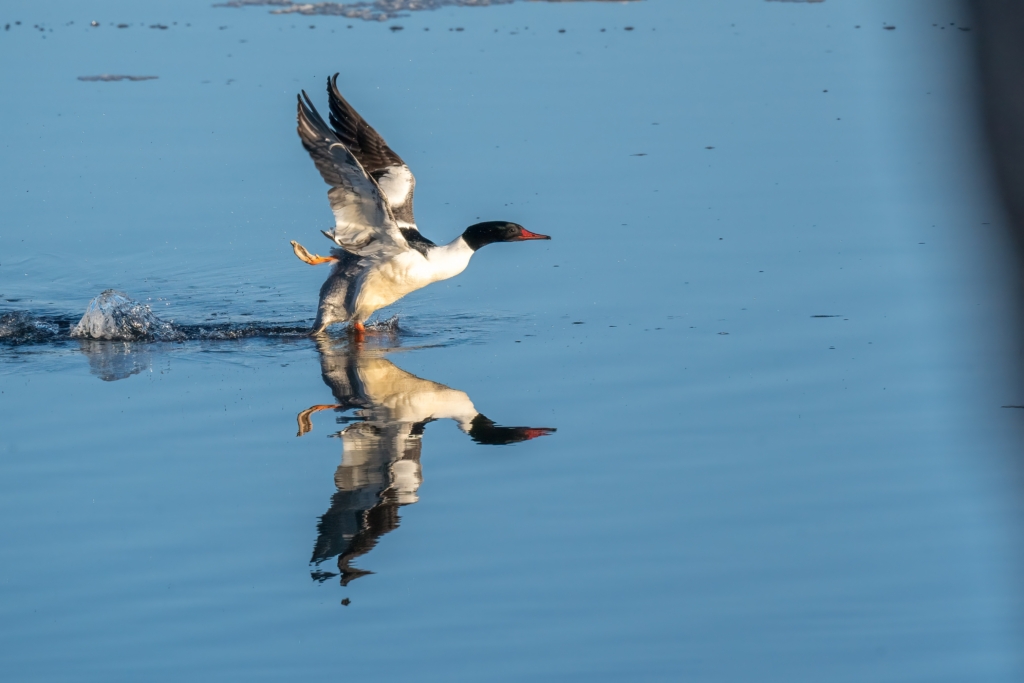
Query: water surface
[[771, 331]]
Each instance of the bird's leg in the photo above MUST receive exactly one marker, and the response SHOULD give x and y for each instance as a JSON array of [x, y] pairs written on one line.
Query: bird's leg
[[304, 418], [360, 331], [311, 259]]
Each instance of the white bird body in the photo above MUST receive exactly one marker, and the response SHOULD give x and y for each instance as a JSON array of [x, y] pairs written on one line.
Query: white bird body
[[381, 255], [387, 281]]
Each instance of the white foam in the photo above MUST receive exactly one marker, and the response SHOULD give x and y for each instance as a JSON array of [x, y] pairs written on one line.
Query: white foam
[[113, 315]]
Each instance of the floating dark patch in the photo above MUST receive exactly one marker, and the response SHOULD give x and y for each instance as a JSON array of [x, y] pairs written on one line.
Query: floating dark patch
[[117, 77], [381, 10]]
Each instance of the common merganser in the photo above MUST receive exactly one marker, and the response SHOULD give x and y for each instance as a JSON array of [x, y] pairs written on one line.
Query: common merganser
[[380, 255], [380, 467]]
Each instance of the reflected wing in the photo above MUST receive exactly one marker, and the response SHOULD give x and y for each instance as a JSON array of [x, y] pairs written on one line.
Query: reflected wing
[[364, 224], [391, 173]]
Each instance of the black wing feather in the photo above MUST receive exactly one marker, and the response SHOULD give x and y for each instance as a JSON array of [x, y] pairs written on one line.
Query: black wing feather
[[362, 140], [363, 220], [379, 160]]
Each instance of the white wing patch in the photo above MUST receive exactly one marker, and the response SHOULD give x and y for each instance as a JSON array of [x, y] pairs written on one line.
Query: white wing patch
[[397, 184]]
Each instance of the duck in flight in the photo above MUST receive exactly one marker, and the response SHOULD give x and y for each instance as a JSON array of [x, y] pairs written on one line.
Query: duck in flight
[[379, 254]]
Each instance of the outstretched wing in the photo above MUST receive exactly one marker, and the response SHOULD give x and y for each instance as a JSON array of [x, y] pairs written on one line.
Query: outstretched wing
[[364, 223], [391, 173]]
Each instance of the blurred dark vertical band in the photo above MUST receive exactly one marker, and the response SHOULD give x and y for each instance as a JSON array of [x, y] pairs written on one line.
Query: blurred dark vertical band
[[1000, 46], [999, 42]]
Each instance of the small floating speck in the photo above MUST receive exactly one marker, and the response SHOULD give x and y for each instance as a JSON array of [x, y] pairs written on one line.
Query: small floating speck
[[396, 28], [639, 154], [723, 333]]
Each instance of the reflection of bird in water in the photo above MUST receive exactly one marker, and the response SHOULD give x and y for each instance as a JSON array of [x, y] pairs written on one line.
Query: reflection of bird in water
[[380, 464], [381, 255]]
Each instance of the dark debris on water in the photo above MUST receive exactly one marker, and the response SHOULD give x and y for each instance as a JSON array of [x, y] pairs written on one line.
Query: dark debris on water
[[117, 77], [377, 10]]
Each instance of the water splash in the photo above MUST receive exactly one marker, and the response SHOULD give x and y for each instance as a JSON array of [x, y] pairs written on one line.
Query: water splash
[[389, 325], [21, 327], [229, 331], [114, 316]]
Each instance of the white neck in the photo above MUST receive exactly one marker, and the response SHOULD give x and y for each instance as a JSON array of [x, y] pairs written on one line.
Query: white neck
[[449, 260]]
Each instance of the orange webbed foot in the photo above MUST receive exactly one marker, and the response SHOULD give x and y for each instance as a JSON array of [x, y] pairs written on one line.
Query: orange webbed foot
[[305, 417], [311, 259]]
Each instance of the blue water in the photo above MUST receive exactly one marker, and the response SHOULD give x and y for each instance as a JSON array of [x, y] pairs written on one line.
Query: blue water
[[738, 488]]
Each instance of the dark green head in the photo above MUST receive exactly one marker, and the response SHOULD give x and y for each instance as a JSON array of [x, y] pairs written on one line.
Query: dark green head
[[482, 234]]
